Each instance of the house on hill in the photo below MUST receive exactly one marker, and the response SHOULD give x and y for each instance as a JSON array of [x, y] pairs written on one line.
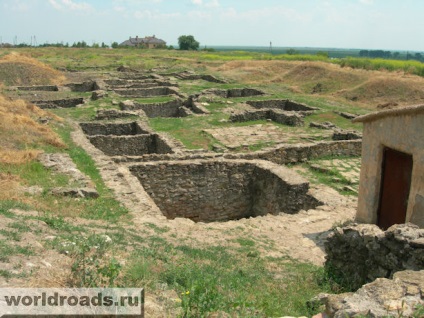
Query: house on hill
[[391, 186], [149, 42]]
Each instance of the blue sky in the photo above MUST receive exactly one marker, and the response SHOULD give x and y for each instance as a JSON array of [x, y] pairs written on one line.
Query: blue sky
[[364, 24]]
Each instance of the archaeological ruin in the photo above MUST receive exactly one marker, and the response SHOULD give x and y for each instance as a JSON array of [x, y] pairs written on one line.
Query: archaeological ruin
[[221, 190]]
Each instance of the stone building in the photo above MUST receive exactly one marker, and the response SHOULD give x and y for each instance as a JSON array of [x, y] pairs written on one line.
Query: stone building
[[149, 42], [391, 189]]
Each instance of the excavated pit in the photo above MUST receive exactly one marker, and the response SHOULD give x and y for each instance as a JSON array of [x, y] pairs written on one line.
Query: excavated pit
[[124, 139], [234, 92], [59, 103], [39, 88], [283, 104], [173, 108], [222, 190], [147, 92]]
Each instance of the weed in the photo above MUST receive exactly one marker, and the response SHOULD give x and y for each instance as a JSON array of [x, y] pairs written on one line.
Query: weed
[[157, 229], [5, 273], [89, 268], [13, 235]]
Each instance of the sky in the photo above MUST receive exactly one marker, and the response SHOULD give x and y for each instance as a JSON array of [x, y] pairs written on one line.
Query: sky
[[360, 24]]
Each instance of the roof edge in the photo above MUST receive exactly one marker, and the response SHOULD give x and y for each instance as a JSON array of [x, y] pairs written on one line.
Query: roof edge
[[410, 110]]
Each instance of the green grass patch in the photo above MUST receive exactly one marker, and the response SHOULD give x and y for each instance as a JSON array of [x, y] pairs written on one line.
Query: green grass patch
[[7, 250], [223, 279]]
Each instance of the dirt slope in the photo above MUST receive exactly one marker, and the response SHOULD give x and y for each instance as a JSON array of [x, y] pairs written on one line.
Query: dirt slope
[[369, 89], [18, 69]]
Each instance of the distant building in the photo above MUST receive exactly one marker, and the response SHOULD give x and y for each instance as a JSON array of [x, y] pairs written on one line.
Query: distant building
[[149, 42], [391, 187]]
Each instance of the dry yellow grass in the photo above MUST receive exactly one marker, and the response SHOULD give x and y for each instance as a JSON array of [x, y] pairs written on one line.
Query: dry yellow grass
[[365, 88], [21, 133], [9, 185], [19, 69]]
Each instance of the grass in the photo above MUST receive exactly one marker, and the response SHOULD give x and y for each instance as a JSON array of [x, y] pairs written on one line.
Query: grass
[[238, 282], [409, 67], [207, 278]]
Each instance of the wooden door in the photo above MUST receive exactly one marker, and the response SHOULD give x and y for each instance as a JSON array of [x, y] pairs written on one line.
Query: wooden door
[[395, 186]]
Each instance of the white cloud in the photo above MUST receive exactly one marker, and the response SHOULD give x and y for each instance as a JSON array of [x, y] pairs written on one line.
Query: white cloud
[[209, 4], [147, 14], [212, 4], [366, 1], [64, 5]]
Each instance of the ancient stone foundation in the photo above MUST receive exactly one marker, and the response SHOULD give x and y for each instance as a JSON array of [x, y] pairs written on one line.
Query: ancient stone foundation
[[118, 129], [59, 103], [360, 253], [125, 139], [146, 92], [221, 190], [234, 92], [283, 104], [44, 88], [88, 86], [276, 115], [172, 108]]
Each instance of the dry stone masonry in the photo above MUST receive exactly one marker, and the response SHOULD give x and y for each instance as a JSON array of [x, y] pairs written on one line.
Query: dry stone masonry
[[360, 253], [221, 190], [124, 139], [276, 115], [283, 104]]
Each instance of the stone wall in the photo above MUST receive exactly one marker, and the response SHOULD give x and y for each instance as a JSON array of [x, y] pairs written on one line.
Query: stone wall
[[234, 92], [279, 116], [146, 92], [360, 253], [383, 298], [283, 104], [304, 152], [220, 190], [283, 154], [59, 103], [130, 145], [166, 109], [45, 88], [118, 129], [83, 87]]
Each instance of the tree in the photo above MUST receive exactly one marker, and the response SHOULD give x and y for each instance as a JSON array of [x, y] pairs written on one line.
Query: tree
[[187, 42], [115, 45], [292, 52]]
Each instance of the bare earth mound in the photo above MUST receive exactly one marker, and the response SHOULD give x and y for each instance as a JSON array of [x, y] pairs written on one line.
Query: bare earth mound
[[19, 129], [387, 90], [17, 69], [368, 88]]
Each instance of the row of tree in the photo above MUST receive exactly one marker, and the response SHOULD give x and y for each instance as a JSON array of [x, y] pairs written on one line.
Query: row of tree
[[390, 55], [185, 42]]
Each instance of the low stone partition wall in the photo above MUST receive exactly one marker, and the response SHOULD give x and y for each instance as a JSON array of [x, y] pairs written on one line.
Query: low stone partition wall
[[88, 86], [221, 190], [146, 92], [285, 154], [130, 145], [283, 104], [172, 108], [59, 103], [279, 116], [360, 253], [108, 114], [234, 92], [118, 129], [43, 88]]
